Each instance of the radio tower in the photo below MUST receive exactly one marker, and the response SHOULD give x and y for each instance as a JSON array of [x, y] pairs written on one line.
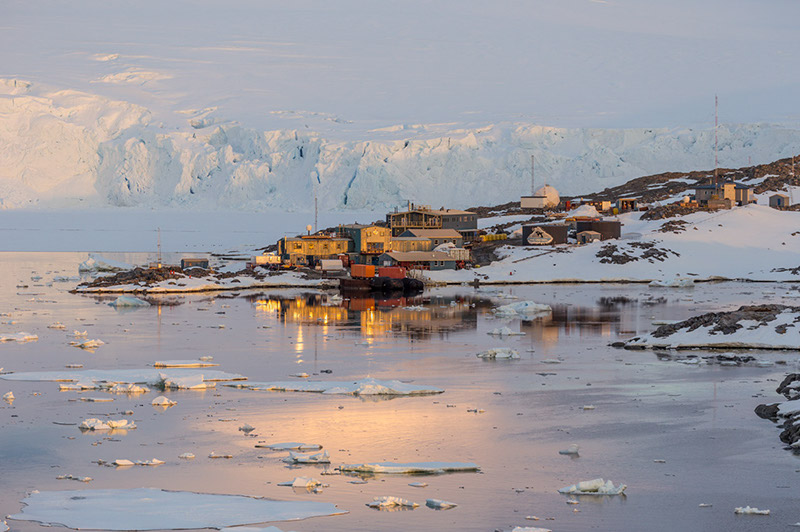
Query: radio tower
[[716, 124]]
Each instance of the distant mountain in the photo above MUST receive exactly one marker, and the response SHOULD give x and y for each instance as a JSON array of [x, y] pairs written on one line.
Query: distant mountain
[[62, 148]]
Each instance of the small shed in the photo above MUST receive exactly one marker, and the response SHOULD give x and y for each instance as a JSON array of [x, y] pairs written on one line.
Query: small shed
[[544, 234], [194, 263], [607, 228], [627, 204], [331, 265], [779, 201], [585, 237]]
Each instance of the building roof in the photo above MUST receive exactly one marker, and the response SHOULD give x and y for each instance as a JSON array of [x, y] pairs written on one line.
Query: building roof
[[315, 237], [779, 195], [419, 256], [363, 226], [589, 233], [435, 233], [411, 238], [439, 212]]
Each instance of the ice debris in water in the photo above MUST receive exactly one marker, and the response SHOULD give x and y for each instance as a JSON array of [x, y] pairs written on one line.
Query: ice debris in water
[[186, 456], [529, 529], [199, 363], [571, 450], [498, 353], [418, 484], [128, 302], [750, 511], [290, 446], [247, 428], [9, 397], [88, 344], [188, 382], [522, 309], [409, 468], [367, 386], [103, 378], [215, 455], [163, 401], [597, 486], [111, 424], [155, 509], [73, 477], [439, 504], [20, 337], [79, 334], [98, 263], [97, 399], [389, 502], [301, 458], [57, 325], [303, 482], [504, 331], [122, 462]]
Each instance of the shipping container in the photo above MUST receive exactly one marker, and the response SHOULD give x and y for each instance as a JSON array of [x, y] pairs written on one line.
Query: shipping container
[[394, 272], [362, 270]]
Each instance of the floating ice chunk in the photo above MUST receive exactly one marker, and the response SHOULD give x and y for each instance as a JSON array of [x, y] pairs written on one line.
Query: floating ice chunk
[[163, 401], [418, 484], [9, 397], [57, 325], [151, 462], [678, 282], [302, 458], [73, 477], [573, 501], [246, 428], [303, 482], [80, 334], [750, 511], [588, 407], [439, 504], [529, 529], [705, 505], [188, 382], [215, 455], [96, 424], [499, 353], [367, 386], [154, 509], [571, 450], [126, 388], [97, 399], [410, 468], [597, 486], [149, 376], [88, 344], [389, 502], [522, 309], [290, 446], [3, 526], [183, 364], [551, 361], [122, 462], [20, 337], [504, 331], [128, 302], [186, 456]]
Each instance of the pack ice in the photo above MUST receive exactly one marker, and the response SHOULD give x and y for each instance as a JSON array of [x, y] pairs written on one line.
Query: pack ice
[[106, 378], [155, 509], [367, 386], [498, 353], [20, 337]]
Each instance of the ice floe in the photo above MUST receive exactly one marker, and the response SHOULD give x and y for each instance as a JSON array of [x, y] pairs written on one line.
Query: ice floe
[[409, 468], [186, 382], [303, 482], [361, 387], [290, 446], [678, 282], [247, 428], [746, 510], [8, 397], [597, 486], [530, 529], [439, 504], [186, 456], [571, 450], [88, 344], [498, 353], [20, 337], [57, 325], [504, 331], [418, 484], [110, 424], [522, 310], [73, 477], [155, 509], [308, 458], [129, 302], [89, 379], [390, 502], [199, 363]]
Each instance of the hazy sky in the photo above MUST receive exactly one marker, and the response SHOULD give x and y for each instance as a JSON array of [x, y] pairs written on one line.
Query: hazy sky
[[571, 63]]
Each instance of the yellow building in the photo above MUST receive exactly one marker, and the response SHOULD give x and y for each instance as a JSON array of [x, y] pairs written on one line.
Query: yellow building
[[306, 250], [368, 239]]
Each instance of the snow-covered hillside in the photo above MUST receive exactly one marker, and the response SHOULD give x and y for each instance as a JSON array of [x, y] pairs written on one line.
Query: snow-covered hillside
[[61, 147]]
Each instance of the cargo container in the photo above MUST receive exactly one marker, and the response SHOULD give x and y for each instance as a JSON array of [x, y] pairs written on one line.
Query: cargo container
[[362, 270], [394, 272]]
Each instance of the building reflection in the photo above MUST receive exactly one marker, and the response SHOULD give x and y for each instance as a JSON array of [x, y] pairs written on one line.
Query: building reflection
[[571, 320]]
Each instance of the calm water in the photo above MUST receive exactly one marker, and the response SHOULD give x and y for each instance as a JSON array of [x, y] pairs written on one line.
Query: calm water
[[699, 419]]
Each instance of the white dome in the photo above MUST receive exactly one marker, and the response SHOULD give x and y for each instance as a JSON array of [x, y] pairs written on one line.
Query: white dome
[[588, 211], [550, 195]]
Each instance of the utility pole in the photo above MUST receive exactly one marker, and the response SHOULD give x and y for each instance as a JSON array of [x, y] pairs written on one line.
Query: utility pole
[[315, 212], [159, 247], [533, 189], [716, 143]]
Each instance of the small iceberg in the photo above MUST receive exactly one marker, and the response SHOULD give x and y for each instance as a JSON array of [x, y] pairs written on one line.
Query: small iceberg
[[20, 337], [188, 382], [303, 458], [597, 486], [750, 511], [572, 450], [438, 504], [303, 482], [498, 353], [163, 402], [111, 424]]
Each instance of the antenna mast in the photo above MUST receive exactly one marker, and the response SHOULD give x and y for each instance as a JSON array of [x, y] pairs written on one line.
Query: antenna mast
[[533, 189], [716, 145], [159, 247], [315, 212]]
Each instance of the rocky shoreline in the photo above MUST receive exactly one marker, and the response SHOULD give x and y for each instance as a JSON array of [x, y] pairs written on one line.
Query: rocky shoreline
[[786, 414]]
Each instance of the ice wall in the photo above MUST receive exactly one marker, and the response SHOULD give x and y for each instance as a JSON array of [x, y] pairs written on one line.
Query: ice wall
[[65, 148]]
